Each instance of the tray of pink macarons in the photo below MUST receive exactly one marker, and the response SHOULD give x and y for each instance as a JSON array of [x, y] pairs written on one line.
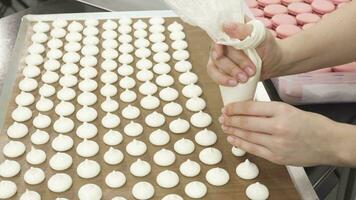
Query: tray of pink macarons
[[285, 18]]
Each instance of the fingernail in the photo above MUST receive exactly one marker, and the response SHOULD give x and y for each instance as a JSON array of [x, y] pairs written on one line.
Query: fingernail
[[223, 110], [242, 77], [230, 139], [249, 71], [215, 55], [232, 82], [221, 119], [223, 127]]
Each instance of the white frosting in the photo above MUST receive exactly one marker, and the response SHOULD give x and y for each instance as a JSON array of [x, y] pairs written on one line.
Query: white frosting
[[52, 65], [148, 88], [124, 29], [36, 156], [28, 84], [177, 35], [172, 197], [172, 109], [59, 23], [125, 20], [157, 28], [110, 44], [41, 27], [175, 26], [161, 57], [50, 77], [21, 114], [179, 126], [109, 25], [149, 102], [210, 156], [112, 138], [140, 168], [17, 130], [156, 20], [144, 75], [46, 90], [195, 104], [164, 157], [125, 59], [87, 85], [39, 38], [91, 40], [159, 47], [60, 161], [191, 91], [39, 137], [183, 66], [59, 182], [87, 148], [14, 149], [64, 108], [108, 65], [90, 31], [157, 37], [74, 37], [128, 96], [30, 195], [201, 119], [89, 50], [55, 43], [126, 48], [141, 43], [41, 121], [217, 176], [88, 72], [108, 90], [164, 80], [9, 168], [118, 198], [36, 48], [155, 119], [109, 54], [144, 63], [54, 54], [66, 94], [72, 47], [159, 137], [86, 131], [187, 78], [161, 68], [184, 146], [109, 34], [125, 70], [69, 68], [109, 105], [71, 57], [86, 114], [62, 143], [237, 151], [140, 24], [63, 125], [130, 112], [110, 120], [190, 168], [136, 148], [88, 61], [115, 179], [143, 190], [90, 191], [167, 179], [140, 33], [7, 189], [31, 71], [257, 191], [113, 156], [168, 94], [125, 38], [205, 138], [133, 129], [88, 169], [247, 170], [68, 80], [91, 22], [179, 45], [196, 189], [127, 82], [75, 26], [34, 176]]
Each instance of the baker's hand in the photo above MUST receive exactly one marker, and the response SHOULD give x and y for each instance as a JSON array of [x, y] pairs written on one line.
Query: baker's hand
[[229, 66], [282, 133]]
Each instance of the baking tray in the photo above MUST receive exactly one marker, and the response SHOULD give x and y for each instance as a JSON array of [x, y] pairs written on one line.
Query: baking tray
[[274, 176]]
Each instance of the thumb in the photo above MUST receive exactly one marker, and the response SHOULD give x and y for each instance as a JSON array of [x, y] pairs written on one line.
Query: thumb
[[237, 30]]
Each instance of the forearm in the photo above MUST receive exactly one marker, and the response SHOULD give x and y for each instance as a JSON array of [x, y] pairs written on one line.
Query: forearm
[[344, 147], [330, 42]]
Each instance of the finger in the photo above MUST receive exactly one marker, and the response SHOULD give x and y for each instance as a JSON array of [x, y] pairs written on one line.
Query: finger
[[217, 51], [252, 148], [230, 68], [237, 30], [253, 137], [249, 123], [242, 60], [253, 108], [219, 76]]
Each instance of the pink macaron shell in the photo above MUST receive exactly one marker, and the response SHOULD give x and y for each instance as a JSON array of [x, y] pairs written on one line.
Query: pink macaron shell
[[257, 12], [307, 18], [264, 3], [287, 30], [340, 1], [252, 3], [322, 6], [349, 67], [265, 21], [308, 1], [274, 9], [299, 7], [283, 19], [287, 2], [308, 26]]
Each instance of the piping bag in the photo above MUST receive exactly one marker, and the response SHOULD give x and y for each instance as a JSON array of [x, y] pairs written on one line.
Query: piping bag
[[211, 15]]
